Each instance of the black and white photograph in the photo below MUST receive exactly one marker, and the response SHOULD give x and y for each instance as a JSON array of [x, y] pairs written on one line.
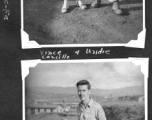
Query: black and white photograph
[[83, 22], [75, 60], [85, 90]]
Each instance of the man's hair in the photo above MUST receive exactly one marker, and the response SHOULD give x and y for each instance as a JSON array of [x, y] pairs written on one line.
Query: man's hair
[[84, 82]]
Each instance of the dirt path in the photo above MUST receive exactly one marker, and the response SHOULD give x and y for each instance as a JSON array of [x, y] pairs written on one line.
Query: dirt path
[[45, 24]]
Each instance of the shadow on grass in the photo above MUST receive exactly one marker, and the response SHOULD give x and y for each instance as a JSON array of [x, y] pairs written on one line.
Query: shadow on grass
[[37, 16], [125, 10], [135, 8], [72, 7], [131, 1]]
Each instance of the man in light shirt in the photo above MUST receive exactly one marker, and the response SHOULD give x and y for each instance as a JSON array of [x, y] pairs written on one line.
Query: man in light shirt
[[88, 109]]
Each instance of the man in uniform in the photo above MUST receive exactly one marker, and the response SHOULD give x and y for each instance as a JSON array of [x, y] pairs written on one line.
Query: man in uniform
[[88, 109]]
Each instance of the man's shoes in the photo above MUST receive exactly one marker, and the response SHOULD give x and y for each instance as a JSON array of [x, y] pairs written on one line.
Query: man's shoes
[[116, 8], [64, 10], [82, 6], [96, 4]]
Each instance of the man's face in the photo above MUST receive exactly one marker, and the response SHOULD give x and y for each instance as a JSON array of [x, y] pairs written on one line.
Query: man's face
[[83, 92]]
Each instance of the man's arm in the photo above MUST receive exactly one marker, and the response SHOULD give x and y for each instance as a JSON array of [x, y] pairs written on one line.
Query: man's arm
[[78, 116], [101, 114]]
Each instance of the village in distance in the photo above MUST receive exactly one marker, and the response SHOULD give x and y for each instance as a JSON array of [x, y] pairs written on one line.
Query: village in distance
[[60, 103]]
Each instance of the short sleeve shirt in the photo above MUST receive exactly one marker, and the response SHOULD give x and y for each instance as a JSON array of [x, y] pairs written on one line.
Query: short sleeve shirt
[[93, 111]]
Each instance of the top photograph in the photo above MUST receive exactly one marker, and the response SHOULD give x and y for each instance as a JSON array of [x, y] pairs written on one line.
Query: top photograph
[[82, 22]]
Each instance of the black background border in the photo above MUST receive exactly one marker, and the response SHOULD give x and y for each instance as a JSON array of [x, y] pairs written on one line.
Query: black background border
[[11, 55]]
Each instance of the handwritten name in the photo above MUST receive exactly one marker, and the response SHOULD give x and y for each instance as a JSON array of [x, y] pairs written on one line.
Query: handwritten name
[[97, 52], [6, 10], [53, 55]]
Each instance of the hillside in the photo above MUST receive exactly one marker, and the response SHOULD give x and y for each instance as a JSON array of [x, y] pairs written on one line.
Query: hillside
[[136, 90]]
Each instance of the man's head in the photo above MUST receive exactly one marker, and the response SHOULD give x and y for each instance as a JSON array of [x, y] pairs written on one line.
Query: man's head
[[83, 87]]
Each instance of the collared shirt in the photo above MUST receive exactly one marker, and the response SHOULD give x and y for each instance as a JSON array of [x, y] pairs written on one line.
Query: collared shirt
[[93, 111]]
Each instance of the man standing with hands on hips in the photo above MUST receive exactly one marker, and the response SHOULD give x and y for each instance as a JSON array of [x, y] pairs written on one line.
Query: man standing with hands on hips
[[88, 109]]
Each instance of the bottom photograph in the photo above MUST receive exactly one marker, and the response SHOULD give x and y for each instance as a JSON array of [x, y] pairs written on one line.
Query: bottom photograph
[[109, 89]]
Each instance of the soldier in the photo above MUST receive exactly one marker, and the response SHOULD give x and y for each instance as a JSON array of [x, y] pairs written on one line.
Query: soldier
[[88, 109]]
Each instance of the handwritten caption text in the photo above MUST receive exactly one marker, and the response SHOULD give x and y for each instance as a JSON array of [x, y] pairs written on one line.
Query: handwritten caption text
[[6, 10], [48, 54]]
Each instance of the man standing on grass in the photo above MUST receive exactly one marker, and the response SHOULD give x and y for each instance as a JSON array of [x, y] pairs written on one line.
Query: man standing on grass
[[88, 109]]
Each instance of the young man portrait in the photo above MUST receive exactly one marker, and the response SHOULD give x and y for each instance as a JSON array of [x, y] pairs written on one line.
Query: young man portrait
[[88, 109]]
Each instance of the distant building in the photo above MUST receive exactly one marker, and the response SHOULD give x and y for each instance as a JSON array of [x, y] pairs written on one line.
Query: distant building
[[59, 109], [141, 99], [66, 109], [30, 101], [41, 101]]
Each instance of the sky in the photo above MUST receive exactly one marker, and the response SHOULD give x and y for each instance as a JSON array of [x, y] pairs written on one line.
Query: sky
[[101, 75]]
